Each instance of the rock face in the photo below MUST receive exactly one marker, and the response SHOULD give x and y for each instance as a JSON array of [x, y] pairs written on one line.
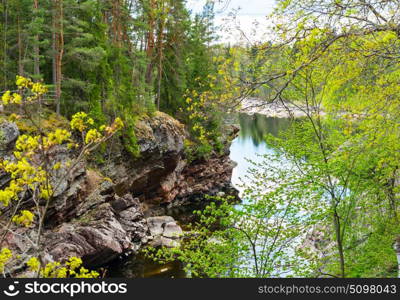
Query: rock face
[[9, 133], [150, 177], [210, 177], [100, 215], [102, 227], [104, 230], [161, 176]]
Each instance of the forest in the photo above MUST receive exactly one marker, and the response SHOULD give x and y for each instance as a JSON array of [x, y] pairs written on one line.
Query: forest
[[131, 135]]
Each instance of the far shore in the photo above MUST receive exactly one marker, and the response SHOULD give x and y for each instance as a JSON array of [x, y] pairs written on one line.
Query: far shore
[[275, 109]]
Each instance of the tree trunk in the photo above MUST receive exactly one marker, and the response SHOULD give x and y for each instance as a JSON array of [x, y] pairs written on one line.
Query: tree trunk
[[36, 50], [159, 83], [396, 247], [117, 22], [20, 62], [150, 41], [58, 48], [5, 10], [336, 222], [160, 46], [53, 47]]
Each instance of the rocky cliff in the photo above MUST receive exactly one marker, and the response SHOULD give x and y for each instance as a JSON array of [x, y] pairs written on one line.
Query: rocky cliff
[[105, 210], [161, 175]]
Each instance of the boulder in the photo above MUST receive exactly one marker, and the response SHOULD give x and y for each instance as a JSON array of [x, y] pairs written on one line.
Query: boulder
[[156, 224], [172, 230], [9, 133], [100, 234], [164, 232], [161, 241]]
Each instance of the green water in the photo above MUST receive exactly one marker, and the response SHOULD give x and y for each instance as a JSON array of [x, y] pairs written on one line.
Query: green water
[[250, 145]]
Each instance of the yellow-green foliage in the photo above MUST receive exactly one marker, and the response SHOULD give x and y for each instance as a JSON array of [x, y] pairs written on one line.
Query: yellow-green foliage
[[71, 268], [84, 124], [27, 170], [203, 108], [5, 256], [32, 169], [80, 121], [36, 90], [25, 218], [9, 98]]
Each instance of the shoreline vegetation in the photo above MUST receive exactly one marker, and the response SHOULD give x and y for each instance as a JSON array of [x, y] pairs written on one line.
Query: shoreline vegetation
[[113, 140]]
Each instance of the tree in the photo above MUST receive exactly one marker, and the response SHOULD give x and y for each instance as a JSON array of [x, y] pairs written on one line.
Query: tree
[[330, 62], [58, 48], [36, 177]]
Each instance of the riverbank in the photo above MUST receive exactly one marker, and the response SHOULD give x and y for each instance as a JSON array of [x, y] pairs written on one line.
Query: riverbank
[[275, 109], [114, 204]]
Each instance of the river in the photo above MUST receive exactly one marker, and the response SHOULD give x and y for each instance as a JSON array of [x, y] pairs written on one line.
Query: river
[[248, 146]]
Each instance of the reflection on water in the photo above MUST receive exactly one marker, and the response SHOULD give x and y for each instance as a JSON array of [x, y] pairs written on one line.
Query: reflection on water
[[250, 145], [256, 127], [140, 267]]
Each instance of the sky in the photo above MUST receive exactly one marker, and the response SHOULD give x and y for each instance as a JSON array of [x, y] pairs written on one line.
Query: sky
[[248, 14]]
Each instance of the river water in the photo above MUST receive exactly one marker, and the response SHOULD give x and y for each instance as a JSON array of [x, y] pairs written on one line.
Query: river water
[[248, 146]]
